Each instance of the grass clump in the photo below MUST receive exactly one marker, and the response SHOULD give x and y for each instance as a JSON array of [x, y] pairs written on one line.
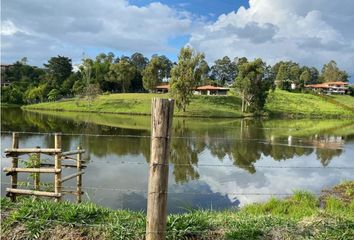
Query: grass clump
[[301, 216]]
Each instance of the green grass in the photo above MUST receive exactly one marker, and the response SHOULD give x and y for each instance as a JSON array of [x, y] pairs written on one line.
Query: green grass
[[344, 99], [302, 216], [140, 103], [304, 105], [279, 103]]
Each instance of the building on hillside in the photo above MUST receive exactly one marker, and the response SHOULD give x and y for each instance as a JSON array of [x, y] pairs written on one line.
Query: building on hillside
[[211, 90], [202, 90], [3, 81], [5, 67], [162, 88], [330, 87]]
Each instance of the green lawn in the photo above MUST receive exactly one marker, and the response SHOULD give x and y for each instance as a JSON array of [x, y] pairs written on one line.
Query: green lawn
[[301, 216], [304, 105], [279, 103], [140, 103], [344, 99]]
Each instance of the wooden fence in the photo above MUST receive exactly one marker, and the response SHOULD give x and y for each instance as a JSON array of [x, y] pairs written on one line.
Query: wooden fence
[[38, 168], [161, 124]]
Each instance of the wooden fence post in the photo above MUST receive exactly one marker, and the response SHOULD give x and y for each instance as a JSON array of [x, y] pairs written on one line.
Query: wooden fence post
[[57, 166], [14, 165], [37, 164], [79, 177], [161, 123]]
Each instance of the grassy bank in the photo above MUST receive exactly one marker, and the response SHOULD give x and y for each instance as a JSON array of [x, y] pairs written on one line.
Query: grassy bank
[[302, 216], [279, 103]]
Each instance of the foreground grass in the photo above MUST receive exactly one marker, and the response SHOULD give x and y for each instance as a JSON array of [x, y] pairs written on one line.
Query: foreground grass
[[298, 217], [279, 103]]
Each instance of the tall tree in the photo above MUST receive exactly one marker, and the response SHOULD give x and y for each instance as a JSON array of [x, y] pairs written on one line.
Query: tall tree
[[123, 73], [253, 84], [151, 76], [185, 76], [305, 78], [223, 71], [59, 68], [282, 77], [331, 73]]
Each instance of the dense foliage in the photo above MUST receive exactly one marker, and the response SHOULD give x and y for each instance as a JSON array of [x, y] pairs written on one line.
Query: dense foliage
[[58, 78]]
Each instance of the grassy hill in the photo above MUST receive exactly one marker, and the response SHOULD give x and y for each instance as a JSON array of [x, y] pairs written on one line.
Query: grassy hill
[[279, 103]]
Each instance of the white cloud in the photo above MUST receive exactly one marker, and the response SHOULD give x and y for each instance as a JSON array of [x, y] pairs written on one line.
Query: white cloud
[[310, 32], [69, 27]]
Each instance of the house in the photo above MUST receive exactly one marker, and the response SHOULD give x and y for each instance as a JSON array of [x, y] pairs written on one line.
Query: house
[[201, 90], [330, 87], [162, 88], [211, 90], [4, 82]]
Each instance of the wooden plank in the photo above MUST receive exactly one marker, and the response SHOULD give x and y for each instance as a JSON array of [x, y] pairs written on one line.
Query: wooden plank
[[73, 152], [57, 163], [64, 179], [14, 165], [32, 170], [32, 192], [62, 165], [162, 114], [20, 151]]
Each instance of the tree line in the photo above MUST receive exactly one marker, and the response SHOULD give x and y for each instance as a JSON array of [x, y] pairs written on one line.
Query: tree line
[[107, 73]]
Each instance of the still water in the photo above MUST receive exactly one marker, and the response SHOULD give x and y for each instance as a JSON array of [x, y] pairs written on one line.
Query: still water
[[214, 163]]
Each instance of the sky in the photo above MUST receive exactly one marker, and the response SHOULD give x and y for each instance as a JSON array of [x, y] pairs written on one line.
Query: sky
[[309, 32]]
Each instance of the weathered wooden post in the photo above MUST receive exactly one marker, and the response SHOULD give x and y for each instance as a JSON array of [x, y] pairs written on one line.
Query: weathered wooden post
[[57, 166], [37, 164], [14, 165], [161, 123], [79, 177]]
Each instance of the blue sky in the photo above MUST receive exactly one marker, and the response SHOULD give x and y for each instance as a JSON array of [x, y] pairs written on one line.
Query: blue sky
[[210, 9], [308, 32]]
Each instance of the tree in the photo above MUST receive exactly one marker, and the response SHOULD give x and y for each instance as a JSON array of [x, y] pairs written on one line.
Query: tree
[[151, 76], [53, 94], [58, 68], [185, 76], [91, 92], [123, 73], [305, 78], [331, 73], [282, 77], [253, 85], [223, 71]]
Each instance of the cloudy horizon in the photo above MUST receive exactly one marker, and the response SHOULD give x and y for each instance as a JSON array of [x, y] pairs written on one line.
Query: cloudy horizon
[[310, 33]]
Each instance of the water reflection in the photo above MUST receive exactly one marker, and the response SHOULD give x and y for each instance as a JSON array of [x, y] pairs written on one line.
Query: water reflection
[[241, 143]]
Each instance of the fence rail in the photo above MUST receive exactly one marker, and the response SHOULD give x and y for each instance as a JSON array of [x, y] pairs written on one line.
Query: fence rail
[[38, 167]]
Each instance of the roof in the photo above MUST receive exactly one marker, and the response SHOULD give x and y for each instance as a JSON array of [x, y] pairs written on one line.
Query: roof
[[210, 87], [165, 86], [326, 84]]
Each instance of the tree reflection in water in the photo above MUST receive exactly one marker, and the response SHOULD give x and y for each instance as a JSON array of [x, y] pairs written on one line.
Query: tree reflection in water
[[244, 142]]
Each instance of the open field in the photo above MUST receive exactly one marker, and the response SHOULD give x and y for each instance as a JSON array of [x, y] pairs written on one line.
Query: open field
[[305, 105], [301, 216], [280, 103], [139, 103]]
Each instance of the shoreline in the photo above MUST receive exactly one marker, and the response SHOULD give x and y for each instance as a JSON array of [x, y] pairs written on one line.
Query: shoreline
[[266, 115]]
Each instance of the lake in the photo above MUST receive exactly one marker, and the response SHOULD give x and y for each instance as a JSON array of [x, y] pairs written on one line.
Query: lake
[[214, 163]]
